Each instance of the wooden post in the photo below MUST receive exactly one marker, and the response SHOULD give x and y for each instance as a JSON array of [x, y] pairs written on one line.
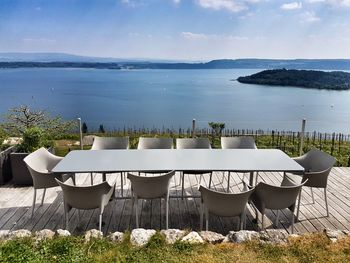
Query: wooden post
[[302, 136], [193, 128], [80, 134]]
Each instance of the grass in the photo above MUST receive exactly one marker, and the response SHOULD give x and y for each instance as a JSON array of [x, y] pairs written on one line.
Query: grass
[[308, 248]]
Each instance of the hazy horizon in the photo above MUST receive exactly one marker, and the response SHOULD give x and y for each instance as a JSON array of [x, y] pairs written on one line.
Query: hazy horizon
[[182, 30]]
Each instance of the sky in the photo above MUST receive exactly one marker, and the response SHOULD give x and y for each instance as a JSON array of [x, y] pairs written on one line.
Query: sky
[[189, 30]]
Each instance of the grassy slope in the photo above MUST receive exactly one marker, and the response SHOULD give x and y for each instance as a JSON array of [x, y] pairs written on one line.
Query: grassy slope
[[309, 248]]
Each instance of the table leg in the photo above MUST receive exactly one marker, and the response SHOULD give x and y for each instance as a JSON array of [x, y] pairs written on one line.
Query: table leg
[[251, 178]]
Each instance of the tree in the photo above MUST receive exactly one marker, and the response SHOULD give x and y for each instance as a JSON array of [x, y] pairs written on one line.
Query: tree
[[84, 128], [20, 118], [217, 127], [101, 129]]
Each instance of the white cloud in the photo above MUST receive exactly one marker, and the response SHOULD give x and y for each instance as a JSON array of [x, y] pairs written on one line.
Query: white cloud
[[336, 3], [309, 17], [315, 1], [230, 5], [39, 40], [193, 36], [176, 1], [292, 6]]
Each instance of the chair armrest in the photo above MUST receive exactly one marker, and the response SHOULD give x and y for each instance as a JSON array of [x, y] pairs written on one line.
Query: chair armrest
[[246, 186]]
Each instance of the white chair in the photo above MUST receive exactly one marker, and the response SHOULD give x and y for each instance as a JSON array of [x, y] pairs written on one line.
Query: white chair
[[152, 187], [242, 142], [193, 143], [110, 143], [40, 164], [223, 204]]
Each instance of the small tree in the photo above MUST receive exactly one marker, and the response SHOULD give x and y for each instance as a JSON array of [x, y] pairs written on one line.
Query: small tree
[[217, 127], [84, 128], [101, 129]]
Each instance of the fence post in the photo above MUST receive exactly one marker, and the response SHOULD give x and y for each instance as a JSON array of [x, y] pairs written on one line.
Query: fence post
[[80, 134], [193, 128], [302, 136]]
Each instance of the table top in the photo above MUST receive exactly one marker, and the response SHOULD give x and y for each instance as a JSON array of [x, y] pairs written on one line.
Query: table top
[[108, 161]]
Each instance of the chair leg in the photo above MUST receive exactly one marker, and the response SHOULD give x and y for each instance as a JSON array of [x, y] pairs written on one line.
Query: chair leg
[[256, 178], [293, 222], [183, 186], [201, 216], [136, 211], [210, 178], [121, 185], [299, 201], [312, 195], [277, 217], [42, 199], [167, 212], [104, 177], [66, 216], [326, 201], [33, 205], [100, 223], [206, 219], [228, 181], [91, 179], [262, 221]]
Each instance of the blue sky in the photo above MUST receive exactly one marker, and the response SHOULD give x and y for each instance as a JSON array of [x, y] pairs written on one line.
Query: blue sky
[[178, 29]]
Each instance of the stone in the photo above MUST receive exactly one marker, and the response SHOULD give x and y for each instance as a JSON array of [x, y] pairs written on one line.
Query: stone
[[4, 234], [21, 233], [243, 236], [93, 233], [62, 233], [140, 236], [334, 235], [88, 139], [116, 237], [274, 236], [193, 238], [212, 237], [172, 235], [44, 234]]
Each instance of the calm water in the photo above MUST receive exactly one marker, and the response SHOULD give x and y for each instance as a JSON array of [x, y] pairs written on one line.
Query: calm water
[[172, 98]]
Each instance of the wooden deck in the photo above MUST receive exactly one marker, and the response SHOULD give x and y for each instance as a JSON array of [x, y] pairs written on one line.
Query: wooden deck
[[15, 203]]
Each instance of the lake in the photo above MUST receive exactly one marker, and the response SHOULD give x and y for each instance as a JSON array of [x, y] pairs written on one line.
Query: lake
[[172, 98]]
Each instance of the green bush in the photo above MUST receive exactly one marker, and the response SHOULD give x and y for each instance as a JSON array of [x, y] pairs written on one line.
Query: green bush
[[33, 139]]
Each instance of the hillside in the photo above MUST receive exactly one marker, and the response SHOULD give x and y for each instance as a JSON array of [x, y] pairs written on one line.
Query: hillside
[[336, 80]]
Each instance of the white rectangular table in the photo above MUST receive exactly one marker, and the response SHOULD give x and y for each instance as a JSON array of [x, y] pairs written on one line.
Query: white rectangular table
[[110, 161]]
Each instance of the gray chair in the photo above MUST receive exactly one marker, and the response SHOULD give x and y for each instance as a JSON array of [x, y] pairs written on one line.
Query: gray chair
[[40, 164], [150, 188], [317, 165], [155, 143], [242, 142], [193, 143], [223, 204], [86, 197], [110, 143], [273, 197]]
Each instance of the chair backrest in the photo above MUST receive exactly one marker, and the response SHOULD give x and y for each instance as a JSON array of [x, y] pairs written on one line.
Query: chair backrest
[[105, 143], [41, 160], [83, 197], [244, 142], [276, 197], [225, 204], [193, 143], [150, 187], [155, 143], [316, 161]]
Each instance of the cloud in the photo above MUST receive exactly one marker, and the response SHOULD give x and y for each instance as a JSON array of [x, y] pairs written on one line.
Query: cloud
[[176, 1], [309, 17], [230, 5], [292, 6], [193, 36], [335, 3], [39, 40]]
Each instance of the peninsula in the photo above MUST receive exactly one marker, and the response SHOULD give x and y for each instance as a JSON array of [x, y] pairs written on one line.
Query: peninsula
[[335, 80]]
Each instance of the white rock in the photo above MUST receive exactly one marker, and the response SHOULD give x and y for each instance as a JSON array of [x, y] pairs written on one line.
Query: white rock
[[88, 139], [334, 235], [274, 236], [116, 237], [92, 233], [243, 235], [140, 236], [211, 237], [193, 238], [172, 235], [21, 233], [44, 234], [62, 233], [4, 234]]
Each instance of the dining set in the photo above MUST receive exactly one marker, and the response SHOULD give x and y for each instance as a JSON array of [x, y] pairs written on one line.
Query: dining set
[[151, 167]]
